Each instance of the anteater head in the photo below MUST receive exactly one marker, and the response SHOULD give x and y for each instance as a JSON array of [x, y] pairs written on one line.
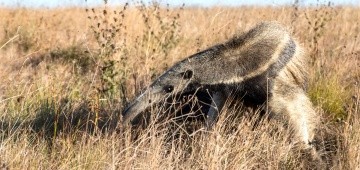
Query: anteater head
[[174, 81]]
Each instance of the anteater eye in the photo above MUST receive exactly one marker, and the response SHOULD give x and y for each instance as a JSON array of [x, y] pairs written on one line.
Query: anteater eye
[[168, 88], [187, 74]]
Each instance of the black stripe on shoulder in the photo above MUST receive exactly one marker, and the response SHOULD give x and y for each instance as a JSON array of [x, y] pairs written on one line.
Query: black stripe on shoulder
[[285, 56]]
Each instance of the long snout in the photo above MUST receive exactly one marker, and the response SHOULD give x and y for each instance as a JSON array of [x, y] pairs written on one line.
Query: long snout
[[131, 112], [139, 105]]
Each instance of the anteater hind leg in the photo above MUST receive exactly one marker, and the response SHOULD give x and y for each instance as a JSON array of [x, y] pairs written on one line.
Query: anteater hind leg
[[292, 101]]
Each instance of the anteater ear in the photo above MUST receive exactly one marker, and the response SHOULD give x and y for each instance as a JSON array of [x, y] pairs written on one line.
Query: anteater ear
[[187, 74]]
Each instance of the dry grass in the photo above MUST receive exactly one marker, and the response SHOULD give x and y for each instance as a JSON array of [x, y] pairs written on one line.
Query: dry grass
[[52, 116]]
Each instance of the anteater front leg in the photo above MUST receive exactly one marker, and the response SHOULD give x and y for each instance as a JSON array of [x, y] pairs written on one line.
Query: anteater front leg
[[218, 100]]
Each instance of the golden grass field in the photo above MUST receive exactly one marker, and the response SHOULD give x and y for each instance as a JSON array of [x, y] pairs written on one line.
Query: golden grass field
[[64, 81]]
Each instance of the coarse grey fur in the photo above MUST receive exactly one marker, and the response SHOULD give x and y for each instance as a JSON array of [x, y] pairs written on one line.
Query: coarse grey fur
[[265, 64]]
